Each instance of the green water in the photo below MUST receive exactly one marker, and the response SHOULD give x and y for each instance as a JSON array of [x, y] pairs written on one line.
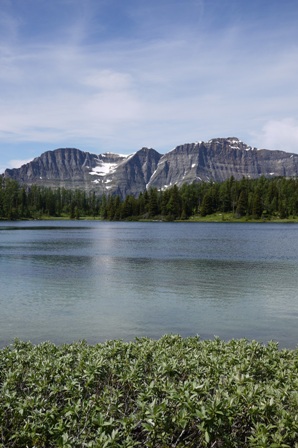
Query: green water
[[64, 281]]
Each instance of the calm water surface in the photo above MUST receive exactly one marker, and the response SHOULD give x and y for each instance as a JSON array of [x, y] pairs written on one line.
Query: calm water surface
[[64, 281]]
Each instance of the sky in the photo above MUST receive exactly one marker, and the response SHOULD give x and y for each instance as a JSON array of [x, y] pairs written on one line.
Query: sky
[[118, 75]]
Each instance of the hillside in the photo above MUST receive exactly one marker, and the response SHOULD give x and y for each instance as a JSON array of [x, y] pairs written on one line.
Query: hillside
[[215, 160]]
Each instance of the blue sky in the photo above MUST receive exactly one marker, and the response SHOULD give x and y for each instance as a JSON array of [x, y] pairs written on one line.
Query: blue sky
[[117, 75]]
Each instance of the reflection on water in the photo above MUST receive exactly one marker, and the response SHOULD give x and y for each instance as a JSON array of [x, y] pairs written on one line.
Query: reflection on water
[[96, 281]]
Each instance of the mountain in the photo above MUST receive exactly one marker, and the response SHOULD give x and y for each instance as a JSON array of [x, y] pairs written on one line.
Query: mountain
[[215, 160], [104, 173]]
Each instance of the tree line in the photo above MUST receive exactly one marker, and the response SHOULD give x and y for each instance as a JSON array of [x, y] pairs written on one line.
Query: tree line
[[253, 198]]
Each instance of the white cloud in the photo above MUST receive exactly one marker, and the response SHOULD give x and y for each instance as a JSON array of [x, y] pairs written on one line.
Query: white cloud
[[280, 134], [14, 163], [17, 163], [108, 80], [171, 76]]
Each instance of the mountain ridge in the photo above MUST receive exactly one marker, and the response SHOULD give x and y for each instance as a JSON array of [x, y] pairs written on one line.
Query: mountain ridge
[[109, 173]]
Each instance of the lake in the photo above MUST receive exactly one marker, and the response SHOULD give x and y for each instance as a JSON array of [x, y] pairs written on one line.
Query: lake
[[65, 281]]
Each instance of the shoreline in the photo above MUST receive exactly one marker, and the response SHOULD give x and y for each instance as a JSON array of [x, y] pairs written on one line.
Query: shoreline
[[214, 218]]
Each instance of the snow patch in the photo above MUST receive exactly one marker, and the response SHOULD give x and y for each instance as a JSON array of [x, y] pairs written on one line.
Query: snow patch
[[234, 140], [167, 186], [109, 154], [103, 169], [147, 185]]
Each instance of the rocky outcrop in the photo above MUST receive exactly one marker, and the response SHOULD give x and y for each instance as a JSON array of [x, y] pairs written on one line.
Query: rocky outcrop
[[104, 173], [219, 159], [64, 166], [215, 160]]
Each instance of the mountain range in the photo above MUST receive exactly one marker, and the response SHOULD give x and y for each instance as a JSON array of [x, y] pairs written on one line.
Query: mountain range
[[108, 173]]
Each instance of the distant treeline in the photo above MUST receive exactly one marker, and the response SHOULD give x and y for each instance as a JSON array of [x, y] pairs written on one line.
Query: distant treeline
[[253, 198]]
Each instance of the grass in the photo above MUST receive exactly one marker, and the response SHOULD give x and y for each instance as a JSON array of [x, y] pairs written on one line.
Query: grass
[[215, 217], [173, 392], [230, 217]]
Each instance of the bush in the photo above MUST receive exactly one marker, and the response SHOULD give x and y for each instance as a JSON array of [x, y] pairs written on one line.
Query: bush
[[173, 392]]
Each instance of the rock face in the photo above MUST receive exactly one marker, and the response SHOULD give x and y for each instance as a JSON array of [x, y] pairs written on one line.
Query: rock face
[[218, 159], [104, 173], [215, 160]]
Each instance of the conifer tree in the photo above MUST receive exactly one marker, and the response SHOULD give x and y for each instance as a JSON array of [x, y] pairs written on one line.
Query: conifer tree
[[242, 204]]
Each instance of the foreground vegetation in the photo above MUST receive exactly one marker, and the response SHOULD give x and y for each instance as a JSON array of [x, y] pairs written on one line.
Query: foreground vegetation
[[248, 199], [173, 392]]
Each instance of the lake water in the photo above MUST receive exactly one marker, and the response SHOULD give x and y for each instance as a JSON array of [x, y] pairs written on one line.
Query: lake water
[[65, 281]]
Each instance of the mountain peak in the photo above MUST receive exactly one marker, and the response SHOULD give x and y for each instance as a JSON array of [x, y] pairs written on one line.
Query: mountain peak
[[109, 173]]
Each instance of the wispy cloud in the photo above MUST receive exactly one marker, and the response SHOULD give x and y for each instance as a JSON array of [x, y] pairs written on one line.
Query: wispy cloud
[[17, 163], [14, 163], [280, 134], [159, 73]]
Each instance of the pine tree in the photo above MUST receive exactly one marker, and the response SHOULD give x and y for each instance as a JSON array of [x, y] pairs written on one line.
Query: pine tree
[[257, 206], [207, 205], [153, 203], [242, 204], [174, 204]]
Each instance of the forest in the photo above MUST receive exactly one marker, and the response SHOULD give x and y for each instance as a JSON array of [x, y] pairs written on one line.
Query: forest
[[261, 198]]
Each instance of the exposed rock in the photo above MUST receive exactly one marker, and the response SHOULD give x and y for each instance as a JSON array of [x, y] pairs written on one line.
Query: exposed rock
[[215, 160], [104, 173], [219, 159]]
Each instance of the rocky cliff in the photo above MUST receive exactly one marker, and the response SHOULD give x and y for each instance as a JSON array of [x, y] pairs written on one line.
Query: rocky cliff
[[215, 160]]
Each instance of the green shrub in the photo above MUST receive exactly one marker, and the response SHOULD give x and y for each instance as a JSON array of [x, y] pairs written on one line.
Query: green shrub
[[173, 392]]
